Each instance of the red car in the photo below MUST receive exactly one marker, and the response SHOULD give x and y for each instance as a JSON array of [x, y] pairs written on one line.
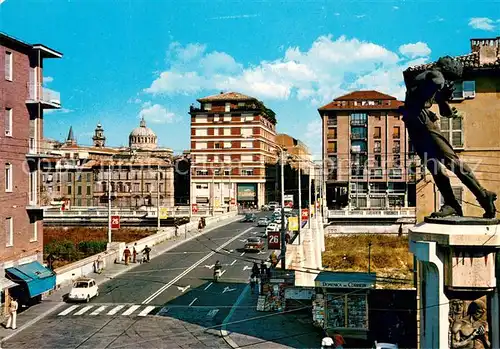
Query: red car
[[254, 244]]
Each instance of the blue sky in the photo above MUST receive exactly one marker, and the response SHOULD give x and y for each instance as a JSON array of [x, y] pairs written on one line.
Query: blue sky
[[126, 58]]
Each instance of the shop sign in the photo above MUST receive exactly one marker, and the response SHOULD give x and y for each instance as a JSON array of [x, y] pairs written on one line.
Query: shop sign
[[345, 284]]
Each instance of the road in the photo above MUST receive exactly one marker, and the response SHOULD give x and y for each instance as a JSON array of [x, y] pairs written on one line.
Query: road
[[167, 303]]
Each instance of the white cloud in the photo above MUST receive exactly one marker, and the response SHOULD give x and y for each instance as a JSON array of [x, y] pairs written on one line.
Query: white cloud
[[134, 100], [58, 111], [419, 49], [313, 137], [156, 114], [235, 17], [482, 23], [47, 79], [395, 7]]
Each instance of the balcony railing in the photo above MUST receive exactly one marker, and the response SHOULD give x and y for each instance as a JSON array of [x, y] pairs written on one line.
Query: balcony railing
[[358, 136], [38, 93], [358, 122], [368, 213], [331, 122]]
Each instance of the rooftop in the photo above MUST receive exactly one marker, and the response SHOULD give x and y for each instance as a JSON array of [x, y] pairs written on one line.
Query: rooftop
[[363, 100], [227, 96], [46, 52]]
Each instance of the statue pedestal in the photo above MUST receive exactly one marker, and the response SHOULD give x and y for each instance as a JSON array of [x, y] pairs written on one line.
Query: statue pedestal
[[457, 267]]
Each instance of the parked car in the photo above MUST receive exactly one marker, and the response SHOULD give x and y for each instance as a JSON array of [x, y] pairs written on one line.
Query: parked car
[[250, 217], [83, 289], [272, 205], [384, 346], [254, 244], [263, 222], [288, 209], [272, 227]]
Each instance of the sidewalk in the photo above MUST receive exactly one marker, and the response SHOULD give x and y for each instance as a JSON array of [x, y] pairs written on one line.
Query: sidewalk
[[54, 300], [249, 328]]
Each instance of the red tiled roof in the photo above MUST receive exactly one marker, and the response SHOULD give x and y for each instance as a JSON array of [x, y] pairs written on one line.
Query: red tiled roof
[[470, 61], [228, 96], [345, 102]]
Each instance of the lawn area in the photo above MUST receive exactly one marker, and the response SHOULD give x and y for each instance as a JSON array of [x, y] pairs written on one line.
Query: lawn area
[[74, 243], [390, 256]]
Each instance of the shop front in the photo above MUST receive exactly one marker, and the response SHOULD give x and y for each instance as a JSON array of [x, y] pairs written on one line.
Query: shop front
[[247, 194], [272, 297], [32, 280], [341, 302]]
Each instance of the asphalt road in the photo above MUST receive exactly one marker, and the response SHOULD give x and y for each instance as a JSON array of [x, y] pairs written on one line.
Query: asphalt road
[[167, 303]]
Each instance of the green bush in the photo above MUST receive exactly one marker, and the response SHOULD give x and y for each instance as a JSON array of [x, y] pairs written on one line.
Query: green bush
[[89, 248], [68, 251]]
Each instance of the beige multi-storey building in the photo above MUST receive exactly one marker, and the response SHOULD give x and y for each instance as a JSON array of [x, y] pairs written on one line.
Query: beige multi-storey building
[[139, 175], [475, 135], [232, 139], [367, 158]]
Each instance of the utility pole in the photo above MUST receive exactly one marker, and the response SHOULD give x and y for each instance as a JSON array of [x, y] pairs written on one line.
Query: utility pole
[[309, 198], [212, 198], [283, 233], [190, 201], [109, 205], [300, 201], [158, 197]]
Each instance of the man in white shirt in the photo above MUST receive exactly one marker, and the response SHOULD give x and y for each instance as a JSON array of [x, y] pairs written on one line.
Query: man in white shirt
[[11, 322]]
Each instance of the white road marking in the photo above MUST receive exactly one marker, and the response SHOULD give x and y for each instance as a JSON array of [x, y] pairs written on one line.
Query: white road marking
[[146, 310], [194, 300], [243, 240], [228, 289], [180, 276], [212, 313], [183, 289], [98, 310], [242, 253], [84, 310], [232, 263], [209, 266], [131, 309], [69, 310], [223, 272], [115, 309], [206, 288], [246, 267]]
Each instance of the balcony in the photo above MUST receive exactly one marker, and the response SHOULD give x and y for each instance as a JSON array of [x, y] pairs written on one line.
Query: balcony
[[48, 98], [357, 122], [373, 213], [331, 122], [358, 136], [357, 150], [396, 150]]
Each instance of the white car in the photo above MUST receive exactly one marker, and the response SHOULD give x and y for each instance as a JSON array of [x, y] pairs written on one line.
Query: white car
[[83, 290], [272, 227], [263, 222], [288, 209], [384, 346]]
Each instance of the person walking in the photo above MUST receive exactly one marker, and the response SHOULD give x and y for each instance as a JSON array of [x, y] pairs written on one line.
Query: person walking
[[146, 252], [255, 269], [134, 253], [12, 320], [339, 340], [253, 281], [126, 253]]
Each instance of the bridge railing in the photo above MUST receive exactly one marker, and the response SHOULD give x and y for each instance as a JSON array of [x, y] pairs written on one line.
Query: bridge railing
[[368, 213]]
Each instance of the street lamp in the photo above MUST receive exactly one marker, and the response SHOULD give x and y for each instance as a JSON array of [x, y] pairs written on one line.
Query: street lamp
[[300, 194], [109, 200], [283, 234]]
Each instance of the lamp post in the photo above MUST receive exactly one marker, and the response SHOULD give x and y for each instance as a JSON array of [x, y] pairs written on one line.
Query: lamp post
[[158, 197], [283, 230], [309, 198], [109, 203]]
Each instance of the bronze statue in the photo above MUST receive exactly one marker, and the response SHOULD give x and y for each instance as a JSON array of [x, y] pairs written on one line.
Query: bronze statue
[[471, 332], [422, 91]]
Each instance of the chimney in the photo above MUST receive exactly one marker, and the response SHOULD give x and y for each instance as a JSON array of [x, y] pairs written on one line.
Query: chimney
[[487, 49]]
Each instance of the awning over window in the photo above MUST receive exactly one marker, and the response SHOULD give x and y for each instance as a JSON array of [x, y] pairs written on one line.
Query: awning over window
[[37, 278]]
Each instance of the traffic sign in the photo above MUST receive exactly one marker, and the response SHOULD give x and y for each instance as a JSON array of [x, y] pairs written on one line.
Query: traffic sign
[[305, 214], [195, 208], [273, 240], [163, 212], [115, 222]]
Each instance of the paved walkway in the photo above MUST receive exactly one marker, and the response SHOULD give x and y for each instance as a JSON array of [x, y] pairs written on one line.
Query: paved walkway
[[253, 329], [52, 302]]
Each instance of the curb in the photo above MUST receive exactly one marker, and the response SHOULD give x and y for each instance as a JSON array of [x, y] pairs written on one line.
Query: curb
[[60, 304], [224, 333]]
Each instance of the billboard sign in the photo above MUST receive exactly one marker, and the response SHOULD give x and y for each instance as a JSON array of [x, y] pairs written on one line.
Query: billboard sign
[[163, 212], [273, 240], [293, 223], [247, 192]]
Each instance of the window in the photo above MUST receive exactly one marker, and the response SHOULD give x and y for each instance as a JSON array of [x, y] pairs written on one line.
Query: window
[[227, 172], [246, 158], [216, 172], [376, 173], [88, 190], [227, 132], [78, 202], [202, 172], [216, 158], [377, 132], [201, 119], [8, 177], [201, 132], [457, 191], [216, 118], [227, 144], [377, 146], [378, 161], [201, 145], [452, 131], [227, 158], [79, 190], [136, 187], [70, 177], [332, 133], [246, 132], [207, 106], [246, 144], [9, 232], [8, 122], [395, 173], [248, 118], [397, 160], [332, 120], [359, 119], [201, 158], [79, 177], [227, 118], [69, 189], [247, 172], [469, 88], [148, 187], [32, 188], [89, 177], [396, 132], [8, 65], [227, 107], [332, 147], [217, 145]]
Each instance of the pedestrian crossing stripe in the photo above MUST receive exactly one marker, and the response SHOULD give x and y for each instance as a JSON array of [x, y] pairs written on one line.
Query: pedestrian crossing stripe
[[94, 310]]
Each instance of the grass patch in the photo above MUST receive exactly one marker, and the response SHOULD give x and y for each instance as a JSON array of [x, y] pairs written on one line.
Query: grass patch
[[390, 255]]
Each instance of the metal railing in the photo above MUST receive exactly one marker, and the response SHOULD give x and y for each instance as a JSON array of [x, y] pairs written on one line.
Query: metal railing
[[36, 92], [406, 212]]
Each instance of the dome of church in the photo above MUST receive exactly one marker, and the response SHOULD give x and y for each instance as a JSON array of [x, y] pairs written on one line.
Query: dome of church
[[142, 137]]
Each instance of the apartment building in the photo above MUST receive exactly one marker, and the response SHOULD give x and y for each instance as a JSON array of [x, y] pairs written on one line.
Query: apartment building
[[475, 135], [233, 137], [367, 158], [23, 100]]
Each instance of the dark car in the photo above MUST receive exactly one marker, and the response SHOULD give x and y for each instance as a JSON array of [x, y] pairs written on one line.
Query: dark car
[[250, 217], [254, 244]]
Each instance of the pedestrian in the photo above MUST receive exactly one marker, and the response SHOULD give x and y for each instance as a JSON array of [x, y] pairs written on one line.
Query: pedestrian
[[253, 281], [200, 224], [146, 252], [263, 268], [176, 228], [126, 253], [255, 269], [50, 261], [11, 322], [134, 253], [339, 340], [99, 264]]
